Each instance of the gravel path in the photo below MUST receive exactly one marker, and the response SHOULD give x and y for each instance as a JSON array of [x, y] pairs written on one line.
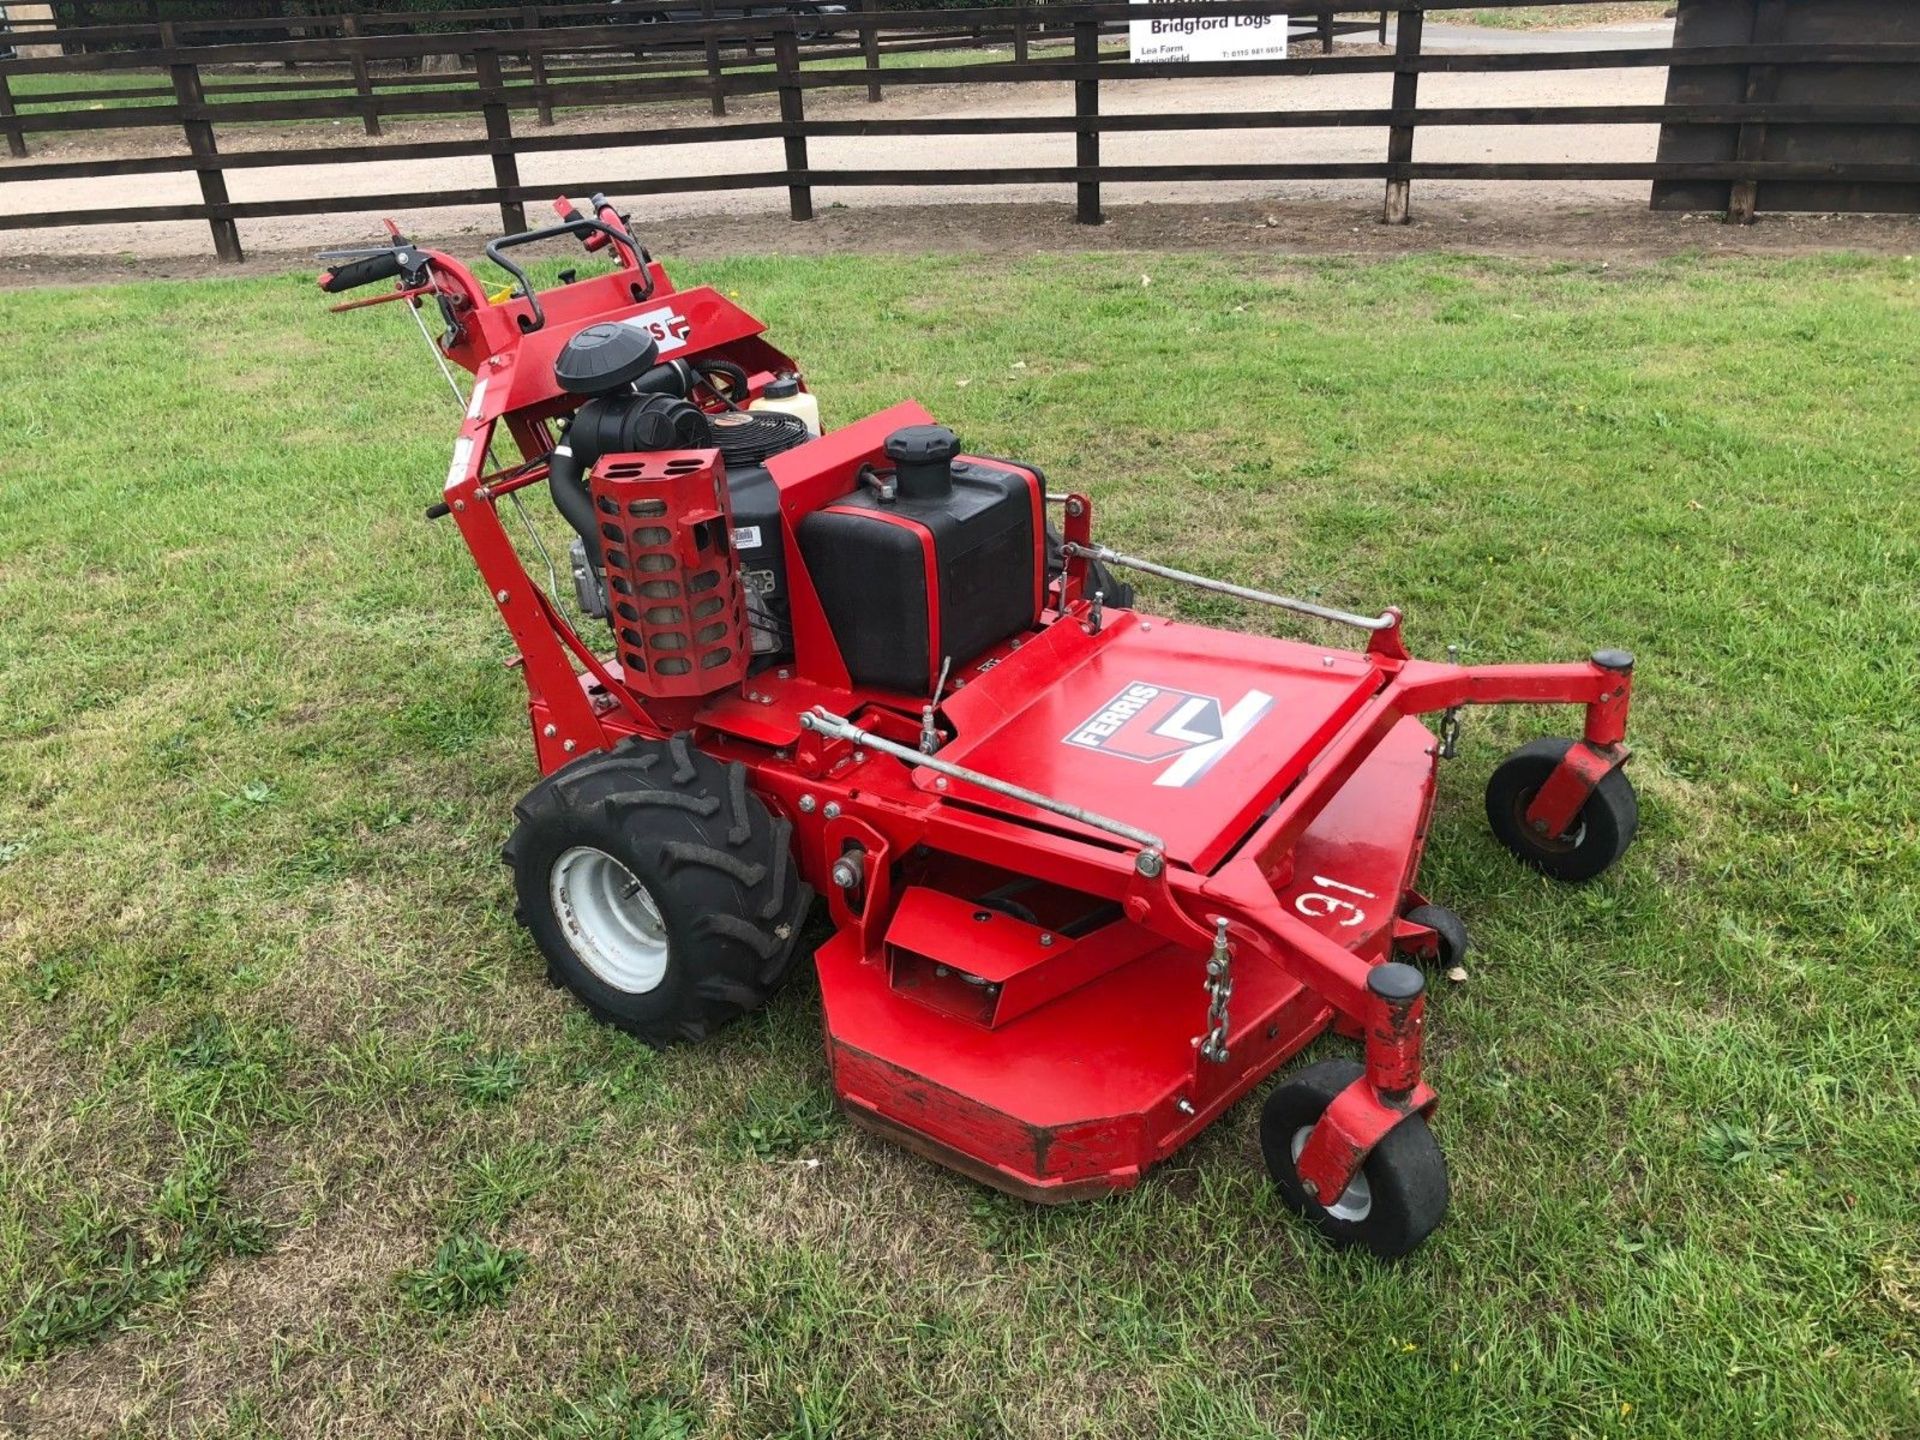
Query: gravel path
[[585, 170]]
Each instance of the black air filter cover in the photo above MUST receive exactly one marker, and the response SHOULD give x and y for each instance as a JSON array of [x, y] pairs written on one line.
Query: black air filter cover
[[602, 358], [748, 437]]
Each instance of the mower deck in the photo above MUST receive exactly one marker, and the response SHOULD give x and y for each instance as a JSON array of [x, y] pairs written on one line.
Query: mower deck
[[1185, 731], [1058, 1093]]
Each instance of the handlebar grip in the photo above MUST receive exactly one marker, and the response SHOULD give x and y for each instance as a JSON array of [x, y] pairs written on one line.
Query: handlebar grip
[[355, 273], [570, 214]]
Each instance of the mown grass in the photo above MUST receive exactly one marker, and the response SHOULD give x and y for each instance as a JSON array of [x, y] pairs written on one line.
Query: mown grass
[[294, 1139]]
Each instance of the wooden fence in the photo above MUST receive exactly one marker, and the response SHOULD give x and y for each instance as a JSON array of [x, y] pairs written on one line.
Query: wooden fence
[[528, 69]]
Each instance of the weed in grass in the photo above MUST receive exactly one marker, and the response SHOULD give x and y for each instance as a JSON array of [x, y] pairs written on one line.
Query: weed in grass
[[619, 1412], [491, 1079], [1731, 1144], [467, 1272], [784, 1126]]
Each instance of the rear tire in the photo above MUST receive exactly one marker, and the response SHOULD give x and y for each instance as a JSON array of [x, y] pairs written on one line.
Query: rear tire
[[661, 891]]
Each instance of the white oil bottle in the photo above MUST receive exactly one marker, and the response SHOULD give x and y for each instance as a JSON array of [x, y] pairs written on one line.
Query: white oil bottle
[[783, 393]]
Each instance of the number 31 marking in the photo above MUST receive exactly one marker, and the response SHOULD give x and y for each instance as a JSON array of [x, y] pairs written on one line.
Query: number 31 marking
[[1318, 906]]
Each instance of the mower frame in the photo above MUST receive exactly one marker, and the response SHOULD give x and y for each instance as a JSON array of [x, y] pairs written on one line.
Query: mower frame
[[863, 803]]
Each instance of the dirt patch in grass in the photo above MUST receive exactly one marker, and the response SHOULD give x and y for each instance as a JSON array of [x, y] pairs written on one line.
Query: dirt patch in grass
[[1561, 17], [1624, 233]]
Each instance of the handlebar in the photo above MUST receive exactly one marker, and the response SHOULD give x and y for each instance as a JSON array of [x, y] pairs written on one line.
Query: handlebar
[[575, 224], [352, 274]]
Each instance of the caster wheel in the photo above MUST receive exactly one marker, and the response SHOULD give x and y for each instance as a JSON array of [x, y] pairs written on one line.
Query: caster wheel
[[1448, 928], [1600, 835], [1400, 1193]]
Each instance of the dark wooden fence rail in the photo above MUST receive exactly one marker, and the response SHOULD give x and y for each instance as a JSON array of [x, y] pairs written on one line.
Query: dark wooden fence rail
[[81, 39], [537, 67], [534, 65]]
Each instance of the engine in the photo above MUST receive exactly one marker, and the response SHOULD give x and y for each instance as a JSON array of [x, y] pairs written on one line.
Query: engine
[[929, 557]]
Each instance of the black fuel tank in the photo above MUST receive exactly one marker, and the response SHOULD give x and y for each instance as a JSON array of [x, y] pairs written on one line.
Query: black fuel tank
[[909, 582]]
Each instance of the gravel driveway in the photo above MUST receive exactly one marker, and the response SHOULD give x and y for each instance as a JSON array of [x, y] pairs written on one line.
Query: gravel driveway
[[584, 170]]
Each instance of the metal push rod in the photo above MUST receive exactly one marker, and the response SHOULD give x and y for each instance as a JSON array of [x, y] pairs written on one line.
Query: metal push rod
[[1242, 592], [825, 722]]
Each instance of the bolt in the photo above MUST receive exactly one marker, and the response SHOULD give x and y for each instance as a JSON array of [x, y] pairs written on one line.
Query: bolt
[[859, 757], [806, 804], [1016, 642], [1146, 624], [551, 731], [940, 782], [1148, 863], [784, 674], [1184, 1106], [832, 812], [568, 746], [1327, 661], [459, 504], [1312, 1190], [1046, 939], [1075, 507], [501, 596], [1539, 826]]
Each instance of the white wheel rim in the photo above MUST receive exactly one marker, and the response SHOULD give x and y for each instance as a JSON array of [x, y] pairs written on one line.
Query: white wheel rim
[[1355, 1202], [609, 919]]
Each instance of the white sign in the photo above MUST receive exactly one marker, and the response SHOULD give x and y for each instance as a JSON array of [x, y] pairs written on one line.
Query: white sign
[[1208, 37]]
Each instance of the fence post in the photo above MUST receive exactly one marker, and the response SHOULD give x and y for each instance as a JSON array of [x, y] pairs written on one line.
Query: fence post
[[1086, 106], [1020, 34], [16, 138], [1326, 32], [870, 48], [1406, 93], [191, 101], [362, 80], [786, 55], [537, 64], [493, 105], [1383, 27], [717, 101], [1762, 85]]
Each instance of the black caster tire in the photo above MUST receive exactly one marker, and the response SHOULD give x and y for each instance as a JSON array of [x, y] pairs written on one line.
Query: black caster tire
[[1601, 833], [1450, 929], [1398, 1197], [661, 892]]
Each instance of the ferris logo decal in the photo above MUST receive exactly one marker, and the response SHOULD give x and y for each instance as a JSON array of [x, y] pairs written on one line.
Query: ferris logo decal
[[1154, 725], [668, 329]]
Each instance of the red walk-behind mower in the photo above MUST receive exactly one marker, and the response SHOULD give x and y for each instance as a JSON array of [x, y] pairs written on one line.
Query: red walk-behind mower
[[1092, 873]]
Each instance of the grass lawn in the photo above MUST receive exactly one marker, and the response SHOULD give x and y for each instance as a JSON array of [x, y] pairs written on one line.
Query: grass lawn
[[294, 1138]]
